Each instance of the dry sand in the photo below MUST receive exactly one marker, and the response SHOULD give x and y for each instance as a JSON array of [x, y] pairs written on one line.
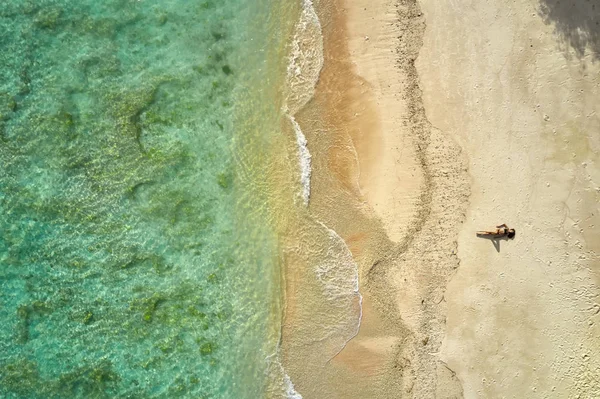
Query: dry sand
[[511, 82], [441, 118]]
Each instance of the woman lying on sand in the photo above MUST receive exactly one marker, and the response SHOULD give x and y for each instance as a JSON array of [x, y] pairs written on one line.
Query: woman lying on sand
[[501, 231]]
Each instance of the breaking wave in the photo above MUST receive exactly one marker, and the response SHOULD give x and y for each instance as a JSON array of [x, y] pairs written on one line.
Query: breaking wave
[[304, 68]]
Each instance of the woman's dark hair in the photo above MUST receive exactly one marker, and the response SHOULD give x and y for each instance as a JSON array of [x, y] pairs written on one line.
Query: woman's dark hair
[[511, 233]]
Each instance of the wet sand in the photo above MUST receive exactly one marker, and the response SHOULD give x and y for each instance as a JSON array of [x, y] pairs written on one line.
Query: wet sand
[[417, 185], [393, 188]]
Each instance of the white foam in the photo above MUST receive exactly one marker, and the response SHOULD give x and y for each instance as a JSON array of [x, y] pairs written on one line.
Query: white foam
[[282, 385], [339, 276], [304, 159], [303, 71], [306, 58], [290, 390]]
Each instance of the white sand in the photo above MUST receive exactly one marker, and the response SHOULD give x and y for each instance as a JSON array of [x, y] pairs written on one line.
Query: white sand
[[522, 321]]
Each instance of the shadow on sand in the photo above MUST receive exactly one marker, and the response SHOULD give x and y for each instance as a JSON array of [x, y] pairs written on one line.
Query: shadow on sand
[[495, 239], [576, 23]]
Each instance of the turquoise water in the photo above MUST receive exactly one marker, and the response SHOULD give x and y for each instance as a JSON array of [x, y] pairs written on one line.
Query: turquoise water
[[136, 259]]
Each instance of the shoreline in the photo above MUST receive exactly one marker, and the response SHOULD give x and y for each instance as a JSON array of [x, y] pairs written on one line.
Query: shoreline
[[318, 365], [384, 198]]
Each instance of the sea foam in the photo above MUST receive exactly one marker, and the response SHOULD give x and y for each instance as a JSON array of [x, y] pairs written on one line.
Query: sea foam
[[304, 159], [339, 276], [304, 68], [290, 390], [281, 383], [338, 273]]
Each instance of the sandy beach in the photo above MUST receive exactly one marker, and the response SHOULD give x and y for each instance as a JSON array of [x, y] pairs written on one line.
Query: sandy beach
[[445, 119], [517, 85]]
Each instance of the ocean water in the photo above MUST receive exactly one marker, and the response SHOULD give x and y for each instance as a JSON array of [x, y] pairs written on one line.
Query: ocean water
[[137, 253]]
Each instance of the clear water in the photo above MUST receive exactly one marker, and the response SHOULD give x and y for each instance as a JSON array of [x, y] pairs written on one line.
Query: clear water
[[137, 259]]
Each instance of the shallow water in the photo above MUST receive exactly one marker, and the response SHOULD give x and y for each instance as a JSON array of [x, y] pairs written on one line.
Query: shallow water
[[137, 257]]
